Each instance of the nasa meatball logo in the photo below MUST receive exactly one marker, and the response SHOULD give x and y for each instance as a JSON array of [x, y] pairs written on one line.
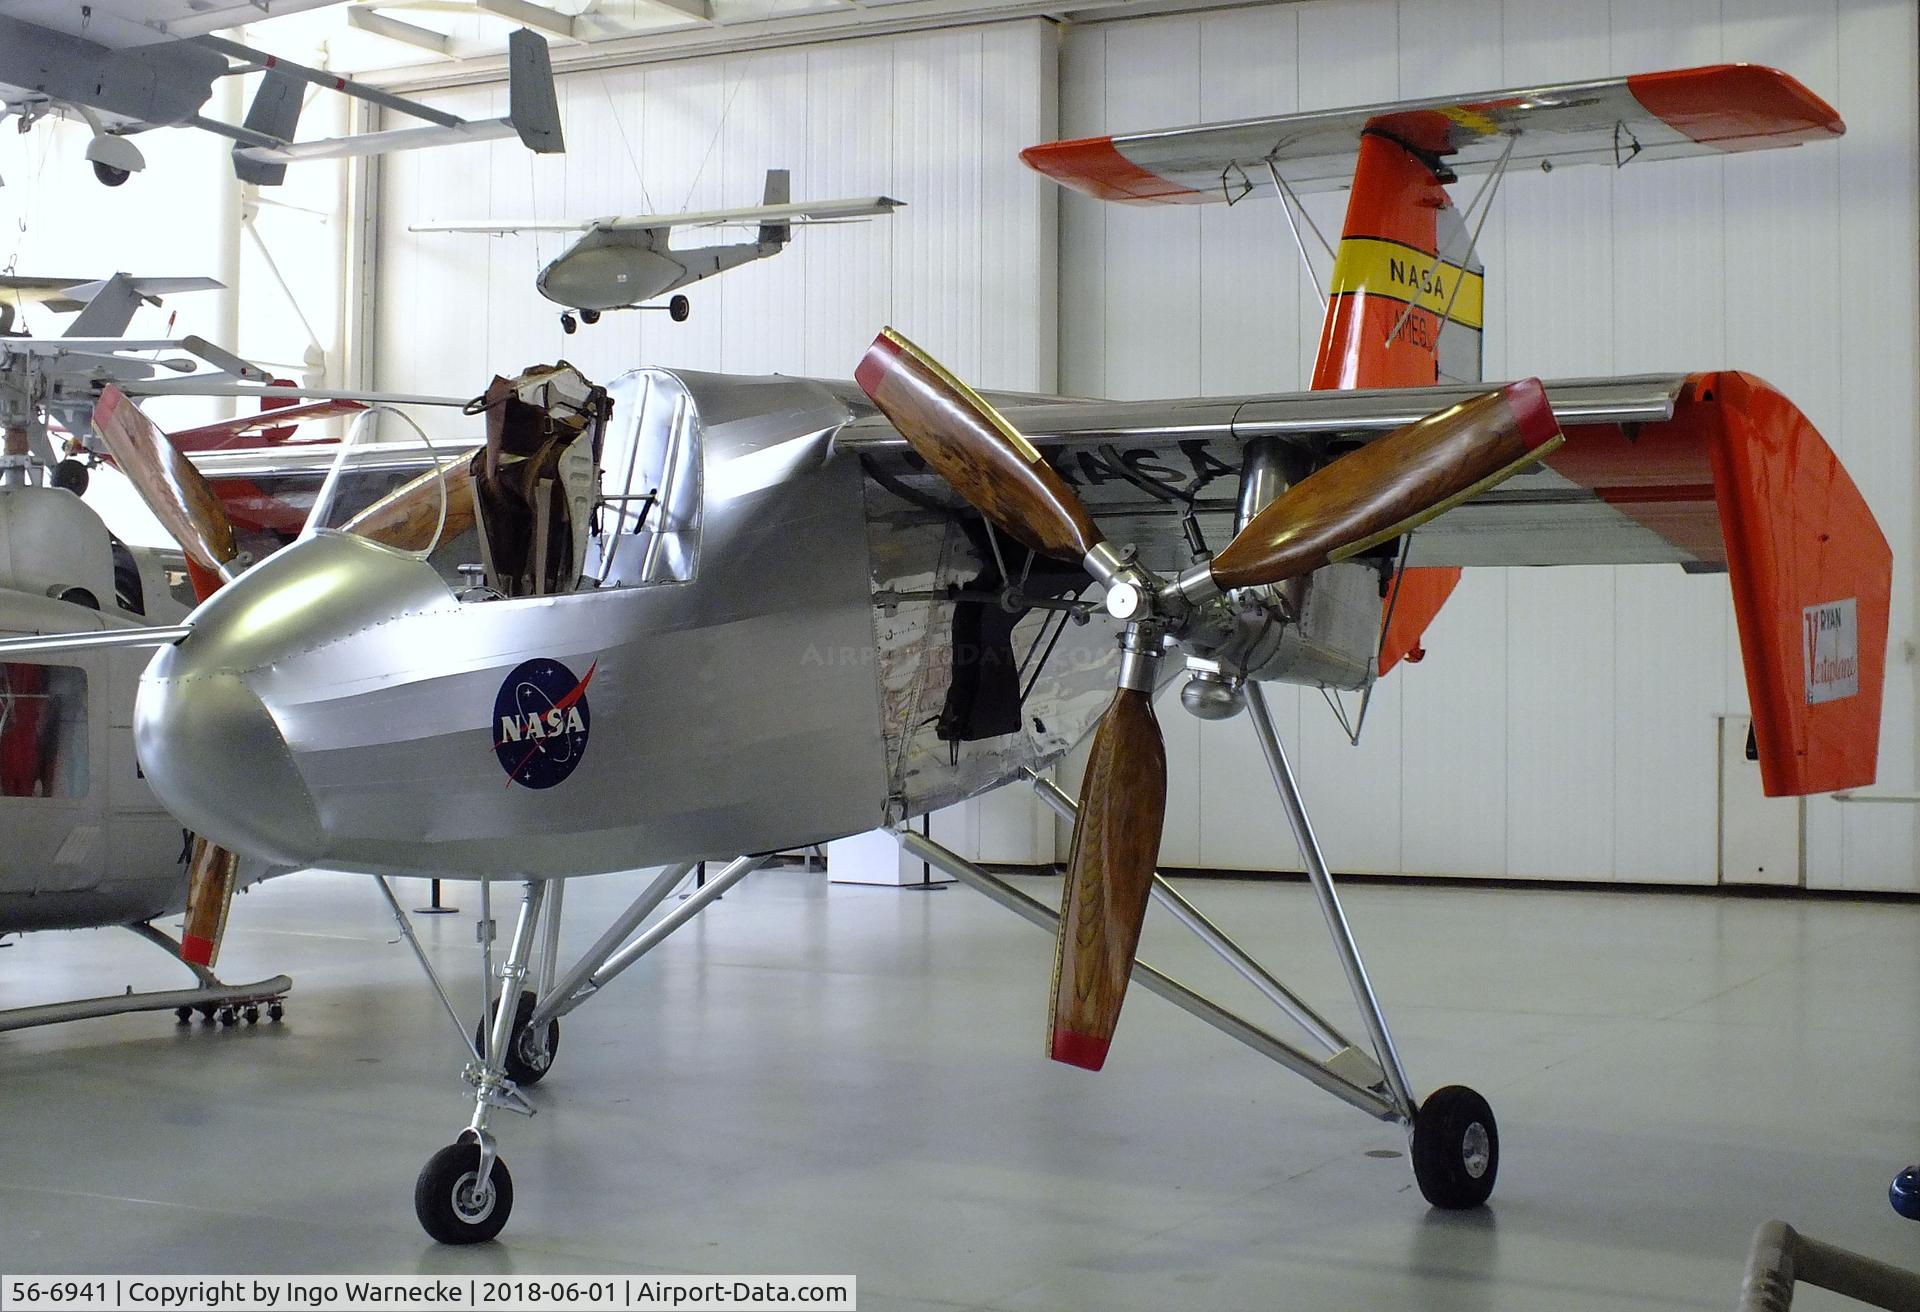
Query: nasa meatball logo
[[540, 722]]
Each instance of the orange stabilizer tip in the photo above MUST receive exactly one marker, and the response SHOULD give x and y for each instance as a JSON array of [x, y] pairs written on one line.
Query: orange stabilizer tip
[[1082, 1050], [1812, 579], [196, 950]]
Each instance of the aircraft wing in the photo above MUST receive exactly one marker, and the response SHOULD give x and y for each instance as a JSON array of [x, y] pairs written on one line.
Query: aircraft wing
[[820, 211], [1713, 472], [1617, 121], [501, 227]]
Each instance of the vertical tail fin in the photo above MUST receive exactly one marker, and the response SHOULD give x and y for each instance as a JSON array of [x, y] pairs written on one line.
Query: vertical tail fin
[[532, 105], [275, 112], [779, 192], [1404, 310], [1405, 306]]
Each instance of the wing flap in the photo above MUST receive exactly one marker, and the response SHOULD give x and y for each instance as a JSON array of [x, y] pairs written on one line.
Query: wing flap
[[1666, 115]]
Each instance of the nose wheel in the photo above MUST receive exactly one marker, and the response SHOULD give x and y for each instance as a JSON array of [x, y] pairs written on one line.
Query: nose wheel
[[679, 308], [1456, 1148], [456, 1204]]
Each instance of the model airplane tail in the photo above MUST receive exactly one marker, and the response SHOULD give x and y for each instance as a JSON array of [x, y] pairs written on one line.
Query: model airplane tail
[[779, 192], [265, 142]]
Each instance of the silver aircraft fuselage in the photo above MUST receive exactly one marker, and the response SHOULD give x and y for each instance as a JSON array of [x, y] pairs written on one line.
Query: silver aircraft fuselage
[[612, 270], [342, 705]]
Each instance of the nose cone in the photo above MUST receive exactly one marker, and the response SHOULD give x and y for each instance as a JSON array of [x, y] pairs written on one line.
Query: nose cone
[[216, 758]]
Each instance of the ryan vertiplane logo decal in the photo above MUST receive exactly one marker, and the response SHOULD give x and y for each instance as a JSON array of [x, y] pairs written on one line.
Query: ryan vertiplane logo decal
[[1831, 647], [540, 722]]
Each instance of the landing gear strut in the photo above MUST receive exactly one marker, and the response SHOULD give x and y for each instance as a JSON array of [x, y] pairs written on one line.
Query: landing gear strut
[[464, 1193], [1454, 1141]]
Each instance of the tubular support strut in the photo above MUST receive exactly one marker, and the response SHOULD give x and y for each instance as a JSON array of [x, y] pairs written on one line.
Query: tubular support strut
[[1316, 1026], [601, 964], [420, 955], [1323, 891], [1233, 1026], [1781, 1255], [566, 993]]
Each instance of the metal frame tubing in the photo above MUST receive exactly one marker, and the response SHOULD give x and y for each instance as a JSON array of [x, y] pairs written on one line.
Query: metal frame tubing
[[512, 971], [602, 973], [1322, 881], [560, 997], [1233, 1026], [1317, 1026], [1781, 1255], [420, 955]]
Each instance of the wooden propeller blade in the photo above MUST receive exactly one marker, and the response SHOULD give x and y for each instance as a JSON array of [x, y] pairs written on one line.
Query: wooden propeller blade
[[406, 517], [211, 874], [167, 481], [979, 453], [1391, 486], [1116, 843]]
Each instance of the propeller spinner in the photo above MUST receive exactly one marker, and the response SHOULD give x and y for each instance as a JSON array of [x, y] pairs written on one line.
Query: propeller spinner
[[1366, 497]]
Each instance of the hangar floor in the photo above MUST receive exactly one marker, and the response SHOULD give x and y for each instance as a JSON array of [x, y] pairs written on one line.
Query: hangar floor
[[831, 1079]]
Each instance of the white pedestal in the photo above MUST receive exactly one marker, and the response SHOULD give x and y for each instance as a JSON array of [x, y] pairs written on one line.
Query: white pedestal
[[875, 858]]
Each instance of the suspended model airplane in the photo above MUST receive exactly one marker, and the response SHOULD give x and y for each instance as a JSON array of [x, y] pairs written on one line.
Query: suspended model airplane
[[122, 74], [619, 262], [681, 561]]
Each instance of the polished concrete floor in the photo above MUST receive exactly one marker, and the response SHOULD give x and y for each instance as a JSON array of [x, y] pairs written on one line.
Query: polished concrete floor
[[832, 1079]]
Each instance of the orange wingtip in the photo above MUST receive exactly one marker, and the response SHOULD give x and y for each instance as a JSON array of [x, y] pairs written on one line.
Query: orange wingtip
[[1082, 1050], [1736, 106], [1094, 165]]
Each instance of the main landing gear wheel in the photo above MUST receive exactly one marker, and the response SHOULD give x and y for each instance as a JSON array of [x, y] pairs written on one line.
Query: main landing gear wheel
[[1456, 1148], [109, 175], [568, 324], [679, 308], [453, 1205], [589, 317], [526, 1063]]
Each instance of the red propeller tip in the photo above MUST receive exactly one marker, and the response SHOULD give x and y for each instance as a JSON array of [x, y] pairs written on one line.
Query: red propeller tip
[[197, 950], [875, 364], [1082, 1050], [1531, 413]]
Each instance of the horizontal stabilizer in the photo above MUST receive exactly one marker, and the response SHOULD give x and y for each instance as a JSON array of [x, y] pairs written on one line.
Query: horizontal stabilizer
[[381, 143], [1616, 121]]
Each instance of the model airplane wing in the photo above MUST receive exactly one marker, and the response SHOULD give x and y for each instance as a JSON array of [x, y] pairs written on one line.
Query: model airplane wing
[[1689, 111], [1713, 472], [797, 212]]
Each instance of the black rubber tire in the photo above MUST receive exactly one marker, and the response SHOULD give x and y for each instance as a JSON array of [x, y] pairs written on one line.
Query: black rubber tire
[[275, 1011], [454, 1167], [569, 325], [72, 476], [183, 1015], [589, 317], [109, 175], [1456, 1148], [521, 1069], [679, 308]]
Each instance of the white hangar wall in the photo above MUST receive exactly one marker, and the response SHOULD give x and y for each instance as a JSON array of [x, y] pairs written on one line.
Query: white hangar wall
[[969, 264], [1563, 723]]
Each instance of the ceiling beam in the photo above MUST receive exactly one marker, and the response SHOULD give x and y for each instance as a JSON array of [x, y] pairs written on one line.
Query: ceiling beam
[[368, 19], [538, 17]]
